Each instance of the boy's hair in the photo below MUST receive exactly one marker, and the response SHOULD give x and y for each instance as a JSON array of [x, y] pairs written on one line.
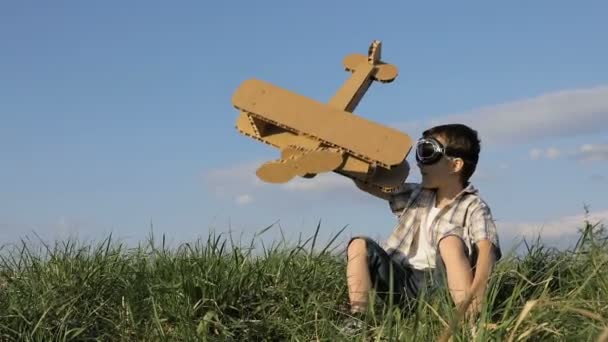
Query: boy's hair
[[460, 141]]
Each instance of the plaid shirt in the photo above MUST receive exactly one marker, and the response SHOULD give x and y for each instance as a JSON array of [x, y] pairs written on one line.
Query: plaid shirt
[[467, 217]]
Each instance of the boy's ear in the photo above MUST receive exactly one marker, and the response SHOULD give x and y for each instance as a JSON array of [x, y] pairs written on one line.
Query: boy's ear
[[457, 165]]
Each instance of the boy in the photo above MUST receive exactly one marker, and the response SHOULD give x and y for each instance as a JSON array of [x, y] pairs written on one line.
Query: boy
[[443, 224]]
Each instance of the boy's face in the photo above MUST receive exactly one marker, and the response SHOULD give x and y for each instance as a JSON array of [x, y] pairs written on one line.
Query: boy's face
[[444, 172]]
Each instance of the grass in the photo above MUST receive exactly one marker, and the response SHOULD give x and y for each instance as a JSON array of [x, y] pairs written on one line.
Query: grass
[[218, 290]]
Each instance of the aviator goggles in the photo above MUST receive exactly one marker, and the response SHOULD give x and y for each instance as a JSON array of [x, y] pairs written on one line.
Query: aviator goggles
[[430, 150]]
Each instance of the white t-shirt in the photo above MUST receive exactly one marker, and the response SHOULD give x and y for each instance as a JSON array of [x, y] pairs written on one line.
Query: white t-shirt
[[426, 253]]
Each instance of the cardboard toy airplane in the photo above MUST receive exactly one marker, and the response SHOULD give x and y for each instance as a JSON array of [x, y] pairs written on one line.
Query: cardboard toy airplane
[[315, 137]]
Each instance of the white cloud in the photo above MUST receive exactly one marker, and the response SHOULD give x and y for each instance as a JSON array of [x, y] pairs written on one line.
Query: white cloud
[[536, 153], [553, 153], [241, 172], [232, 180], [559, 114], [244, 199], [583, 153], [239, 182], [550, 153], [555, 228], [593, 152]]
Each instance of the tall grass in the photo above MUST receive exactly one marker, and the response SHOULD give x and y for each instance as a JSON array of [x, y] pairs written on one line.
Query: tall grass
[[215, 289]]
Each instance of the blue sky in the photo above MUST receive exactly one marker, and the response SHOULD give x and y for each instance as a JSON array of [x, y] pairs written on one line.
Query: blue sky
[[115, 115]]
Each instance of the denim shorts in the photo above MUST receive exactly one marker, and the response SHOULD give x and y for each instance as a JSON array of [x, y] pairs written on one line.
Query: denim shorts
[[405, 280]]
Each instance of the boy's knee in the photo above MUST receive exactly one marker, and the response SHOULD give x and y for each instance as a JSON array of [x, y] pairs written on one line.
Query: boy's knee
[[357, 246]]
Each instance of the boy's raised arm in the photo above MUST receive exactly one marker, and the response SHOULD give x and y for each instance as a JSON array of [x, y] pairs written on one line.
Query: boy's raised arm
[[377, 191], [373, 190]]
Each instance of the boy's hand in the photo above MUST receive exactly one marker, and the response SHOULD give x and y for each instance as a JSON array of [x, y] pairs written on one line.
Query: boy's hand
[[473, 311], [469, 308]]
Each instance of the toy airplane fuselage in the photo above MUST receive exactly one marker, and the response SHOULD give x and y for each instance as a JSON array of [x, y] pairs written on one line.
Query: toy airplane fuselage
[[315, 137]]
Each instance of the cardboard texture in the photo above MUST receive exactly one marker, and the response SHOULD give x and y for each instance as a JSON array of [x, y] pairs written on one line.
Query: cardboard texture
[[315, 137]]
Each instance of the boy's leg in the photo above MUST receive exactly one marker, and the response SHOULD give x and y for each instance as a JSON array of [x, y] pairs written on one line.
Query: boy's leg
[[370, 266], [357, 275]]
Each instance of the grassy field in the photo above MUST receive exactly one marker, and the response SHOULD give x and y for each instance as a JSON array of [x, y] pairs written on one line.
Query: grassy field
[[218, 290]]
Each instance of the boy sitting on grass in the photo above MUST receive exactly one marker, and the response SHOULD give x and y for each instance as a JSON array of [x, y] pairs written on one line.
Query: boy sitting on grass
[[443, 224]]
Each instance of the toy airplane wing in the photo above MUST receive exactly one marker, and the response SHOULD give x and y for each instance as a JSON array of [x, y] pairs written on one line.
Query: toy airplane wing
[[283, 110]]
